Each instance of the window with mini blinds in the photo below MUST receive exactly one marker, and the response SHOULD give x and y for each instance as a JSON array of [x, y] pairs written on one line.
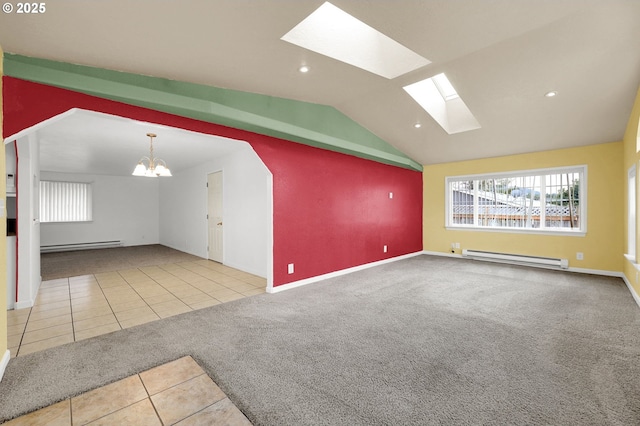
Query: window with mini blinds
[[65, 202], [548, 200]]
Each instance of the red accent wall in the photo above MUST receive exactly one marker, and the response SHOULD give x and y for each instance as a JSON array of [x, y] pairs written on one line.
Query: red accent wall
[[331, 211]]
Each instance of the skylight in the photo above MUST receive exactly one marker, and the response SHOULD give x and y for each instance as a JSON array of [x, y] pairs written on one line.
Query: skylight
[[445, 87], [334, 33], [437, 96]]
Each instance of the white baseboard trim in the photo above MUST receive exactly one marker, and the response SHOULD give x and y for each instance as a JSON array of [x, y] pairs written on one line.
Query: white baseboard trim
[[306, 281], [171, 246], [500, 261], [635, 295], [4, 362], [245, 269], [24, 304], [443, 254], [29, 303], [225, 263], [594, 272], [570, 269]]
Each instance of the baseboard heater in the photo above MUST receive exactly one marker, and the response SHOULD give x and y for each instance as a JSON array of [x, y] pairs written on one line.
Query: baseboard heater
[[544, 262], [79, 246]]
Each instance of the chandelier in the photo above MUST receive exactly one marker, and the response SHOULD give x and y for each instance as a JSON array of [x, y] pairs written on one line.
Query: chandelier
[[154, 166]]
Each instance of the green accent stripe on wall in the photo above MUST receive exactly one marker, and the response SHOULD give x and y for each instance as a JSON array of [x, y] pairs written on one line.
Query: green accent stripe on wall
[[311, 124]]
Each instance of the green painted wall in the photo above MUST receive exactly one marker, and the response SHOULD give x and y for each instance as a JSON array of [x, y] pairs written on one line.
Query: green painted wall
[[311, 124]]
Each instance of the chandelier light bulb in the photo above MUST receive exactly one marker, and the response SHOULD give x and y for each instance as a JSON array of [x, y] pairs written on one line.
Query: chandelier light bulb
[[154, 167]]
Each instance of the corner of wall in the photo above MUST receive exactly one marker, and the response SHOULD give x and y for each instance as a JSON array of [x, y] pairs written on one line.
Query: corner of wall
[[631, 155], [4, 361], [3, 245]]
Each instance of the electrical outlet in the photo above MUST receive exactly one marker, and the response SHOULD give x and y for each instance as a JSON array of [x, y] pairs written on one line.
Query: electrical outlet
[[384, 249], [457, 245], [580, 255], [290, 268], [391, 195]]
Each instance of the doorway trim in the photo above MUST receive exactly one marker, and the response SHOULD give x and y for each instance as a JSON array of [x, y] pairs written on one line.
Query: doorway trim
[[215, 216]]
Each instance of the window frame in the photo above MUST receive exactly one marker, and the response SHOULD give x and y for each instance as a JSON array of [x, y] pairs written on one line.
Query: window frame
[[581, 232], [632, 203], [89, 202]]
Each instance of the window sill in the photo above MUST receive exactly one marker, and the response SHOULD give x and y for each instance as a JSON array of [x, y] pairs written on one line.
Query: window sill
[[518, 231], [631, 258]]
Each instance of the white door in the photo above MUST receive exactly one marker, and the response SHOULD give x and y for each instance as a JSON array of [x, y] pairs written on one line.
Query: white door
[[214, 216]]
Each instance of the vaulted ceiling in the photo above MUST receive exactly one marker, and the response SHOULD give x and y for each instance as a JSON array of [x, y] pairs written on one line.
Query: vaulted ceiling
[[502, 56]]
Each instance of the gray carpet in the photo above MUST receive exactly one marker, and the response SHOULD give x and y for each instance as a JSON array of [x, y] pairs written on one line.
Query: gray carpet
[[83, 262], [425, 340]]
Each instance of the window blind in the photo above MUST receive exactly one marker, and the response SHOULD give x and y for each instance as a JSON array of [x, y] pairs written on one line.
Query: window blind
[[65, 201]]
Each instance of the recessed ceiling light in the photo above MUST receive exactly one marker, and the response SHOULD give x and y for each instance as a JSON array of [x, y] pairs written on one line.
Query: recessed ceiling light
[[303, 69], [551, 94], [417, 125], [332, 32]]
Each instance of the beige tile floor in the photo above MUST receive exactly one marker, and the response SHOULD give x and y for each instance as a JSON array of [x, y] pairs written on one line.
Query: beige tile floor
[[71, 309], [177, 393]]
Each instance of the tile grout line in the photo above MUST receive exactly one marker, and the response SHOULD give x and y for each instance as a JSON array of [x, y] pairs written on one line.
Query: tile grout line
[[203, 373], [219, 283], [24, 330], [70, 412], [119, 409], [114, 313], [143, 299], [202, 409], [147, 398], [195, 270], [73, 320], [108, 303], [150, 400], [26, 324], [43, 339], [186, 283], [174, 386], [153, 279], [73, 323]]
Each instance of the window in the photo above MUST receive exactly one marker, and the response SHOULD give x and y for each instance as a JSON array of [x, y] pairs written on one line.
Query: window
[[549, 200], [631, 227], [638, 137], [65, 202]]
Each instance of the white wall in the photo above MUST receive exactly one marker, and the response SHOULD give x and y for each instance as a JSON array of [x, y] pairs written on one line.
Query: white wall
[[28, 226], [11, 272], [247, 212], [10, 163], [124, 208]]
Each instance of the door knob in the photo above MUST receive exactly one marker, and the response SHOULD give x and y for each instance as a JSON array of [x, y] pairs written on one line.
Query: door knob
[[219, 223]]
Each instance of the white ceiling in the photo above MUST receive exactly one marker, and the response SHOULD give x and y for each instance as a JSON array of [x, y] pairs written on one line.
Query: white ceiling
[[94, 143], [502, 56]]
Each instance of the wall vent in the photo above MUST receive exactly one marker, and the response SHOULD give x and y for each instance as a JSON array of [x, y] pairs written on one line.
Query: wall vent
[[79, 246], [517, 259]]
